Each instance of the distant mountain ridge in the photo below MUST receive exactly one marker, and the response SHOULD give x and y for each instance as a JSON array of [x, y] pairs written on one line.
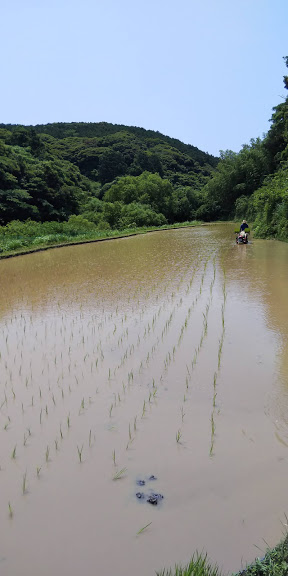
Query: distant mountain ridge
[[63, 130]]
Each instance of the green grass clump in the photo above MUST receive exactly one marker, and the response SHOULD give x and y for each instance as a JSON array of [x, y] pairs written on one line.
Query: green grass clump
[[198, 566], [274, 563]]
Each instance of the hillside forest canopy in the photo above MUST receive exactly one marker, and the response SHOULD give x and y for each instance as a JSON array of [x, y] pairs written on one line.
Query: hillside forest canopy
[[111, 177]]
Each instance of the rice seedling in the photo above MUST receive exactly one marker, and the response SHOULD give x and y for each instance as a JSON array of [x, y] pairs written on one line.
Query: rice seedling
[[178, 436], [38, 470], [90, 438], [135, 423], [24, 483], [68, 421], [143, 409], [212, 424], [182, 413], [114, 457], [119, 474], [11, 513], [47, 454], [142, 529], [13, 455], [80, 450], [211, 452], [110, 410]]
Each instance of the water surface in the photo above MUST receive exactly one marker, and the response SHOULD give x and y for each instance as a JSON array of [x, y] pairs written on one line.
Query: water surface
[[114, 351]]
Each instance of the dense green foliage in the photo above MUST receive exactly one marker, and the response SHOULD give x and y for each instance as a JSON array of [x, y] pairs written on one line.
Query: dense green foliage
[[48, 173]]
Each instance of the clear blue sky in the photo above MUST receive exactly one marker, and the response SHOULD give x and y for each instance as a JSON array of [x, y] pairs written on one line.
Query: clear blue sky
[[205, 71]]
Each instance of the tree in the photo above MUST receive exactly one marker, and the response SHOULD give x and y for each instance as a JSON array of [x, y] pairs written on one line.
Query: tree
[[111, 164]]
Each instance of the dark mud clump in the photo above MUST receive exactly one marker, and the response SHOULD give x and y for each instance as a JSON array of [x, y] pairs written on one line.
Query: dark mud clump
[[152, 497], [155, 498]]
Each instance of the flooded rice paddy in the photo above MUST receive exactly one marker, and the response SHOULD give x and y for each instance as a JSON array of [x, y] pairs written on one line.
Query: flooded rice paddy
[[162, 355]]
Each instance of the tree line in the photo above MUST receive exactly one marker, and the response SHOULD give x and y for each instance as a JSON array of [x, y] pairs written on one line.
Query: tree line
[[51, 172]]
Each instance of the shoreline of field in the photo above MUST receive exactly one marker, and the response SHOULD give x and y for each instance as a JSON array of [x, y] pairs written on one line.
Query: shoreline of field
[[111, 235]]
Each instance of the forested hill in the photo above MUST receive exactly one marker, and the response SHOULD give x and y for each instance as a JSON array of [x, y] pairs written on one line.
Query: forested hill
[[103, 129], [49, 172]]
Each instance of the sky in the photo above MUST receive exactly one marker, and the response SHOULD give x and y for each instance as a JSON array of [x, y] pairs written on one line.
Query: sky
[[207, 72]]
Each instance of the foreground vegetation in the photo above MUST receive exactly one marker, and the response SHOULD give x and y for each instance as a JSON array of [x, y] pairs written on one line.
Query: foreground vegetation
[[199, 565], [274, 563]]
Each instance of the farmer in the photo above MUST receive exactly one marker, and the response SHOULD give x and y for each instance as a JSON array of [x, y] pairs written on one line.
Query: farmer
[[243, 226]]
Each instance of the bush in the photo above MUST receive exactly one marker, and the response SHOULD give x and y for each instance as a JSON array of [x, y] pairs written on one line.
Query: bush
[[103, 225]]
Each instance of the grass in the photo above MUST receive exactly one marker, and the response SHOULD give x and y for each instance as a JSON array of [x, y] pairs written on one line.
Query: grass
[[199, 565], [11, 246], [274, 563]]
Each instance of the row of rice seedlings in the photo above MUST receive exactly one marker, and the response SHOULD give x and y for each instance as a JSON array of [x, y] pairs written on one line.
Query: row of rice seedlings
[[179, 432], [216, 374], [141, 367], [168, 359]]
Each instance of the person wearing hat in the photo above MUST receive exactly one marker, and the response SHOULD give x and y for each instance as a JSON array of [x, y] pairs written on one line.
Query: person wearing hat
[[243, 226]]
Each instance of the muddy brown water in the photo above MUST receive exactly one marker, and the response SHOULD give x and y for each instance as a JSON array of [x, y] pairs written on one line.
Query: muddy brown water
[[114, 351]]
